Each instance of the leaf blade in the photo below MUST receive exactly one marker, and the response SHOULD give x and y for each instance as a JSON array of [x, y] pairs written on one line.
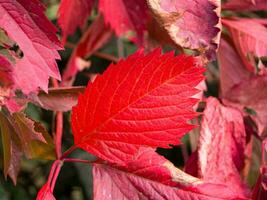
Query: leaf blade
[[126, 107]]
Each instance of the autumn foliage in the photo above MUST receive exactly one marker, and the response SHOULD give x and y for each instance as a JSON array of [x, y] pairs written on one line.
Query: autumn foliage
[[195, 80]]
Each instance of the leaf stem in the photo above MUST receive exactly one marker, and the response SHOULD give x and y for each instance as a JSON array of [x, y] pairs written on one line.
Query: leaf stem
[[106, 57], [66, 153], [56, 173], [59, 131], [78, 160]]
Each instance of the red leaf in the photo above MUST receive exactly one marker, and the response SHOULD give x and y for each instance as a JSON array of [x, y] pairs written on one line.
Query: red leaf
[[190, 24], [73, 14], [246, 5], [125, 15], [222, 145], [93, 39], [144, 100], [6, 80], [248, 40], [150, 176], [6, 73], [25, 22], [45, 193]]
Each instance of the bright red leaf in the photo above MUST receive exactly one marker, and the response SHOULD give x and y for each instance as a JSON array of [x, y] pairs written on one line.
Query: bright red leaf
[[248, 41], [221, 146], [190, 24], [73, 14], [150, 176], [144, 100], [125, 15], [25, 23]]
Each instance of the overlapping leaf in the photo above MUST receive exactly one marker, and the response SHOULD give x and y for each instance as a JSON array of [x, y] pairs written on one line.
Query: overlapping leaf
[[246, 5], [191, 24], [241, 88], [73, 14], [53, 100], [12, 149], [150, 176], [22, 135], [25, 23], [249, 41], [221, 145], [145, 100], [232, 68], [125, 15], [6, 79]]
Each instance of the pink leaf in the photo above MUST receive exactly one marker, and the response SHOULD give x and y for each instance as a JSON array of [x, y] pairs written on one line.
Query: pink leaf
[[150, 176], [45, 193], [25, 22], [124, 16], [252, 94], [246, 5], [144, 100], [190, 24], [232, 69], [73, 14], [221, 145], [248, 40], [93, 39]]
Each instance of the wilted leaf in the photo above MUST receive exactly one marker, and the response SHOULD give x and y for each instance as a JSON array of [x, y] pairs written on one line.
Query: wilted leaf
[[12, 149], [73, 14], [190, 24], [36, 142], [94, 38], [145, 100], [150, 176], [59, 99], [25, 23], [124, 16]]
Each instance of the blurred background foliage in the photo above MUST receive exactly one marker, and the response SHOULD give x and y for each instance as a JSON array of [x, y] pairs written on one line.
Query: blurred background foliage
[[75, 179]]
